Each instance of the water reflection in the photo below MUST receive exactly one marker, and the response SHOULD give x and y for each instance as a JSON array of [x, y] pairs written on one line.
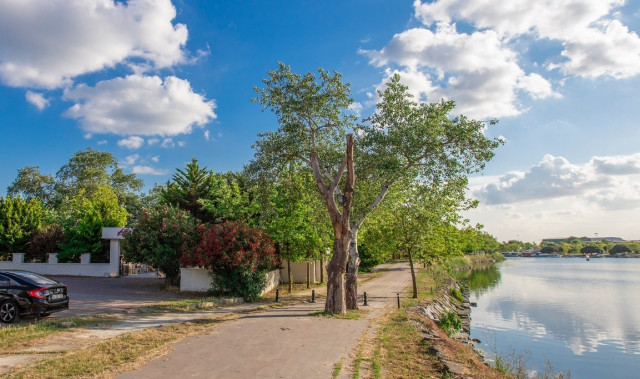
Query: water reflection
[[481, 279], [568, 309]]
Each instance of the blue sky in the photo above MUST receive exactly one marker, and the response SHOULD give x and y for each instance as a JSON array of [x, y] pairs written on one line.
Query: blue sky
[[157, 83]]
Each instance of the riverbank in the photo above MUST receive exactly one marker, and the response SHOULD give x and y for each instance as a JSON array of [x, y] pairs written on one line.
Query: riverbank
[[411, 344]]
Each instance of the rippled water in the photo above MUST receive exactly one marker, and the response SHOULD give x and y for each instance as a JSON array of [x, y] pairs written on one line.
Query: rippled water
[[582, 316]]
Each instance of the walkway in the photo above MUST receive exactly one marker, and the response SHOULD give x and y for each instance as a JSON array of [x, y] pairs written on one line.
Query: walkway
[[280, 343]]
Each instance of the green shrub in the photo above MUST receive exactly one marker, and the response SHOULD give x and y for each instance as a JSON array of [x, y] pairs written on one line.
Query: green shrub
[[456, 294], [237, 256], [158, 239], [451, 323], [43, 242]]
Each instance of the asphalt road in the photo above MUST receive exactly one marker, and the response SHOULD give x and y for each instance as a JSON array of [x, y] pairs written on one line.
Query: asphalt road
[[90, 295], [112, 295]]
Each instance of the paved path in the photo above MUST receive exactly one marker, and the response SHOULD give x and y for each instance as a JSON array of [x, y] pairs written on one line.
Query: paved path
[[280, 343]]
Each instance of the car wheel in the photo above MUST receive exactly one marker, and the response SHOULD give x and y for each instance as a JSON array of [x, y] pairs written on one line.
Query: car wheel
[[8, 311]]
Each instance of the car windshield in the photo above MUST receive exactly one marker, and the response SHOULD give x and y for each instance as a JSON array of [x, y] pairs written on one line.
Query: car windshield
[[35, 279]]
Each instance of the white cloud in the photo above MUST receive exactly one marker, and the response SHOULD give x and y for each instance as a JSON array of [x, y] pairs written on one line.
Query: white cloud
[[595, 43], [613, 51], [603, 182], [147, 170], [46, 44], [556, 198], [155, 159], [37, 99], [139, 105], [206, 135], [482, 69], [133, 142], [476, 70], [130, 160], [102, 142], [167, 143]]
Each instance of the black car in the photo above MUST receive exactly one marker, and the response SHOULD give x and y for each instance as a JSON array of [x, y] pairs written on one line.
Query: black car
[[24, 293]]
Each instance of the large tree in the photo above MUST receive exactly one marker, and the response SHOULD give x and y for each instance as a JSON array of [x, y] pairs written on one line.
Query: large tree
[[83, 219], [85, 171], [31, 184], [404, 139], [208, 196]]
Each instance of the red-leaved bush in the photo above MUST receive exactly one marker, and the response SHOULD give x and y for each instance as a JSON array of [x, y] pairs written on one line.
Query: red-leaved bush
[[237, 256]]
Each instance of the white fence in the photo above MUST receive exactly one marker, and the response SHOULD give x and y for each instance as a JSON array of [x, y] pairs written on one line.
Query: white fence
[[84, 268]]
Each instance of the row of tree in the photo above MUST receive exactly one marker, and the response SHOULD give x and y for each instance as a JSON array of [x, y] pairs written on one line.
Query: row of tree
[[65, 213], [393, 184], [571, 245]]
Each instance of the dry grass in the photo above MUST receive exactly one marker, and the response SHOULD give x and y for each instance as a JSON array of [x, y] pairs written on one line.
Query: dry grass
[[23, 336], [123, 353]]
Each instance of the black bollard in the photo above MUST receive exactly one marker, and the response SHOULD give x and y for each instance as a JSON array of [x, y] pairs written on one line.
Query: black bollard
[[313, 296], [398, 300], [365, 300], [277, 294]]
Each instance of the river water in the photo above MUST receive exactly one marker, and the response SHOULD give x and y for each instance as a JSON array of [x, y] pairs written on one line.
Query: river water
[[581, 316]]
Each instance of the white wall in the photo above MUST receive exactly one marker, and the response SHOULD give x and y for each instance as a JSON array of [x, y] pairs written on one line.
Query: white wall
[[197, 279], [299, 272]]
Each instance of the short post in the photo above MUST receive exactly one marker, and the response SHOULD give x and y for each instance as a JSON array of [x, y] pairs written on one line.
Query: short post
[[313, 296], [398, 300], [365, 300], [277, 294]]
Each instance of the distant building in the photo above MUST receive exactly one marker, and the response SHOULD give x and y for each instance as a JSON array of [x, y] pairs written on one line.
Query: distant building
[[583, 239]]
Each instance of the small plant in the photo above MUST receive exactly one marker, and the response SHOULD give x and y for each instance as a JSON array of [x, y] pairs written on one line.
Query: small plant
[[456, 294], [451, 323]]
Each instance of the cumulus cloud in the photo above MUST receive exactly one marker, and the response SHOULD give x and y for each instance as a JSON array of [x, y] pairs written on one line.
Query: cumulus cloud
[[617, 165], [147, 170], [37, 99], [133, 142], [481, 69], [476, 70], [46, 44], [139, 105], [606, 182], [595, 43]]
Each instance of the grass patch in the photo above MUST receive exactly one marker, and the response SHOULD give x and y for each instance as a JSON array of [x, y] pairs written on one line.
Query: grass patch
[[122, 353], [402, 353], [352, 314], [20, 335], [457, 262], [337, 368]]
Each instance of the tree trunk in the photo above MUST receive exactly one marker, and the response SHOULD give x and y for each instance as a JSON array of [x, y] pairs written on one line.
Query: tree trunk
[[308, 274], [352, 272], [341, 221], [336, 302], [321, 269], [413, 276]]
